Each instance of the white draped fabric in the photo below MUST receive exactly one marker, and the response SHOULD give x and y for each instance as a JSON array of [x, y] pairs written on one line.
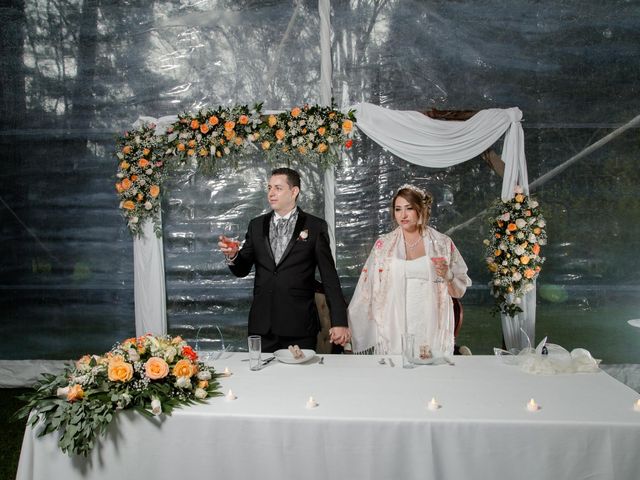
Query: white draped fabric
[[424, 141]]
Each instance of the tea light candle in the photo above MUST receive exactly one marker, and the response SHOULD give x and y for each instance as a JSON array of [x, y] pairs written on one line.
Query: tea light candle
[[532, 406], [230, 395], [636, 406], [311, 403], [433, 404], [227, 372]]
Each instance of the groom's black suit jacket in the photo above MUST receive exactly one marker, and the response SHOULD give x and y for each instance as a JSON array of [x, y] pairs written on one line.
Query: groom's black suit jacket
[[283, 294]]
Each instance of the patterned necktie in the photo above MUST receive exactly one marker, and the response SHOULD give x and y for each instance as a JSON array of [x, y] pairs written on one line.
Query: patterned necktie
[[280, 242]]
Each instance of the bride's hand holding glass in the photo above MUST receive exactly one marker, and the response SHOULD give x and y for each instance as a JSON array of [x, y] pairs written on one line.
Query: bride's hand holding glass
[[439, 260]]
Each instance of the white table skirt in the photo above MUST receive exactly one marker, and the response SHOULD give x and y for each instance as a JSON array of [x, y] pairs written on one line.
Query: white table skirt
[[371, 423]]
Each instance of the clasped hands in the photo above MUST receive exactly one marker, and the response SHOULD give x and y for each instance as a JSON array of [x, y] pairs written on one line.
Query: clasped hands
[[339, 335]]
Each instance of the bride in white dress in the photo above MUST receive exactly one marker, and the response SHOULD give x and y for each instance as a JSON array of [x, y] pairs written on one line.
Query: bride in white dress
[[407, 283]]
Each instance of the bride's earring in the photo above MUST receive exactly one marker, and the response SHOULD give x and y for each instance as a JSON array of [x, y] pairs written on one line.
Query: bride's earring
[[419, 220]]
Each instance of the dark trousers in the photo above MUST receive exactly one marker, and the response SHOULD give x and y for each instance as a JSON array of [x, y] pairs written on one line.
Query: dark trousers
[[272, 342]]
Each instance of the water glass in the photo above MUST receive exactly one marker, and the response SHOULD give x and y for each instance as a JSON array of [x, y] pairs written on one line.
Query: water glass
[[408, 342], [255, 352]]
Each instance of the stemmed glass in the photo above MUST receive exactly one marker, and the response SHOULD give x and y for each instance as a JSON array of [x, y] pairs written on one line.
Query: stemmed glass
[[230, 237], [438, 256]]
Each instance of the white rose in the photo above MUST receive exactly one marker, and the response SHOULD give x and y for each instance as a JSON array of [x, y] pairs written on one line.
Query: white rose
[[62, 392], [200, 393], [518, 301], [148, 205], [496, 282], [489, 259], [142, 181], [133, 355], [516, 262], [170, 353], [542, 241], [149, 171], [518, 250], [533, 204], [330, 140], [541, 223], [183, 382], [517, 206], [504, 263], [520, 222], [517, 277], [204, 375], [226, 150], [505, 217], [120, 175], [520, 235], [156, 406], [133, 220], [532, 238]]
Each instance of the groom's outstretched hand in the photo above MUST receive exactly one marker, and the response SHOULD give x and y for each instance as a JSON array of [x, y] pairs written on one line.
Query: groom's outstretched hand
[[228, 247], [339, 335]]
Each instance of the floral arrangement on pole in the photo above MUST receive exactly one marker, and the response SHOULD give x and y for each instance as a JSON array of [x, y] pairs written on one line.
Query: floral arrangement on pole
[[513, 255], [151, 374], [210, 138], [140, 175]]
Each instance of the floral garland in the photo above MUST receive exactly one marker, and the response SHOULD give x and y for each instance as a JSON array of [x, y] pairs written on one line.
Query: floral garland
[[513, 251], [152, 374], [210, 138]]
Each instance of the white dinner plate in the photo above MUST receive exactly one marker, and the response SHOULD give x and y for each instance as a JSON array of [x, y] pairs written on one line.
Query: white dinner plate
[[285, 356]]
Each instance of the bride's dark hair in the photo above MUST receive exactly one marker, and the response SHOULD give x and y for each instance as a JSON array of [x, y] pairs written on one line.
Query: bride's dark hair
[[419, 199]]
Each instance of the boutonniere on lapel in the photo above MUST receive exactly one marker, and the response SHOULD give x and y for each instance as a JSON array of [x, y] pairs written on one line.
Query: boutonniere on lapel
[[304, 234]]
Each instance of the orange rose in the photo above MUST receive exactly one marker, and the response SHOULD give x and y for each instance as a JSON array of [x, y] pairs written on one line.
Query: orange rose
[[243, 120], [229, 125], [119, 188], [119, 370], [266, 145], [229, 134], [280, 134], [203, 152], [156, 368], [321, 131], [536, 248], [126, 183], [519, 198], [181, 147], [524, 259], [529, 273], [126, 149], [347, 126], [195, 124], [154, 191], [134, 178], [184, 368], [213, 120], [238, 141], [203, 384], [192, 143], [322, 147], [498, 235], [143, 163], [500, 223], [124, 165], [295, 112], [538, 268], [204, 128], [128, 205], [537, 231], [302, 149], [512, 227], [139, 197], [146, 152], [332, 114], [218, 153], [191, 152], [272, 120], [497, 252], [75, 393], [493, 267], [527, 213]]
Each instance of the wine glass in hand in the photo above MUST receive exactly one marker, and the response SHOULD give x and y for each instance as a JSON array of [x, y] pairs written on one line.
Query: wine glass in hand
[[438, 257], [230, 238]]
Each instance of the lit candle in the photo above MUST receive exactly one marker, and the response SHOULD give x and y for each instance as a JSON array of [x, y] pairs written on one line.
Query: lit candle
[[311, 403], [636, 406], [433, 404], [227, 372], [231, 395], [532, 406]]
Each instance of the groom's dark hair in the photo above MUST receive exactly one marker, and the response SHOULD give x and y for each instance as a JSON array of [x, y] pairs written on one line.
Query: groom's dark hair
[[293, 177]]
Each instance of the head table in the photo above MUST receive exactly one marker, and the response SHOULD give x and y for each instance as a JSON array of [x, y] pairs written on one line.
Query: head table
[[371, 421]]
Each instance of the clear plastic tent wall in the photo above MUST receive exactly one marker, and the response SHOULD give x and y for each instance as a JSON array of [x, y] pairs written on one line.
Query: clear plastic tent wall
[[77, 73]]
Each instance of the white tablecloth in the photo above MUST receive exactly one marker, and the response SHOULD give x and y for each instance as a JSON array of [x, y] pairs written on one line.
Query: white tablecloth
[[371, 423]]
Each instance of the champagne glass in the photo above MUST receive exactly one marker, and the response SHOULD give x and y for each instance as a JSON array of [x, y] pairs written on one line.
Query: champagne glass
[[230, 237], [438, 256]]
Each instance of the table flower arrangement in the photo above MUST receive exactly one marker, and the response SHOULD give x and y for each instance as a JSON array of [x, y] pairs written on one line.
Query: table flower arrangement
[[513, 254], [151, 374]]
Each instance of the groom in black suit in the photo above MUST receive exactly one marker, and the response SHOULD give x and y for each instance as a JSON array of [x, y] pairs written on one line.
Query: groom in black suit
[[286, 246]]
